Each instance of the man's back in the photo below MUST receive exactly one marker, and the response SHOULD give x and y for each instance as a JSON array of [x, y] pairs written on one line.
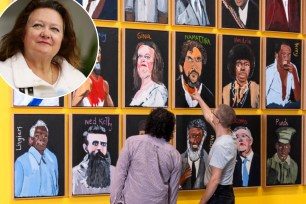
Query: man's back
[[152, 168]]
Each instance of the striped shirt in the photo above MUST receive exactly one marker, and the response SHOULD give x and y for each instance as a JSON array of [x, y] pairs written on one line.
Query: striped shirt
[[147, 171]]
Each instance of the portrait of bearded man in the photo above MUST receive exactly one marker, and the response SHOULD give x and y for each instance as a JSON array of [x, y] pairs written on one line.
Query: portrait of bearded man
[[93, 174], [193, 58]]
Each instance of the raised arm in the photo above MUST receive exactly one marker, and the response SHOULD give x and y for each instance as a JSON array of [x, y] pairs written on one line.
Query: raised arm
[[208, 115]]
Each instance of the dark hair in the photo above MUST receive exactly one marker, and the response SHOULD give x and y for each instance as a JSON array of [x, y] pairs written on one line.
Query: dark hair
[[278, 45], [188, 46], [197, 123], [158, 67], [226, 115], [160, 124], [12, 42], [95, 129], [141, 125], [240, 52]]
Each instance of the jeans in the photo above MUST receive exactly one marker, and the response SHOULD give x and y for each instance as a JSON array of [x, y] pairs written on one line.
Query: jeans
[[224, 194]]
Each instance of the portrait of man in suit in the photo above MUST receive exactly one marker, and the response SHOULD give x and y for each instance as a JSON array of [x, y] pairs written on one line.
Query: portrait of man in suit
[[191, 12], [283, 15], [240, 14], [100, 9], [193, 58], [195, 157], [247, 169]]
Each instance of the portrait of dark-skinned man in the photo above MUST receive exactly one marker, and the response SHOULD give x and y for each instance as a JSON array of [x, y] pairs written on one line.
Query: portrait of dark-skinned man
[[242, 92], [195, 156]]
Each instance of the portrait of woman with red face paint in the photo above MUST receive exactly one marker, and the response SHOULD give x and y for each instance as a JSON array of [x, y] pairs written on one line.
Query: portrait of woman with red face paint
[[148, 68]]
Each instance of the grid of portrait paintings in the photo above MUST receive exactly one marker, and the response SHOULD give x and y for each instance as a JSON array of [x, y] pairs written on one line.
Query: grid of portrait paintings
[[139, 69]]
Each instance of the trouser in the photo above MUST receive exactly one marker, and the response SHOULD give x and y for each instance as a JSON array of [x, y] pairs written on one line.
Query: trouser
[[224, 194]]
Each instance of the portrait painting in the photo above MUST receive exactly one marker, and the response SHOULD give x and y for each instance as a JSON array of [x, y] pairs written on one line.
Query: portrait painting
[[146, 11], [283, 73], [283, 16], [240, 14], [240, 73], [146, 71], [194, 13], [39, 155], [194, 69], [94, 142], [284, 150], [247, 129], [193, 139], [22, 100], [134, 125], [101, 88], [33, 69], [101, 9]]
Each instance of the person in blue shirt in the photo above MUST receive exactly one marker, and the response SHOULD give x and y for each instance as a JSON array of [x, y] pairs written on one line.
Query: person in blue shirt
[[36, 171]]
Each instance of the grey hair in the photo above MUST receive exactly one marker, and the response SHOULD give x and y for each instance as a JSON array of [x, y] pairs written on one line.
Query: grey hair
[[38, 123]]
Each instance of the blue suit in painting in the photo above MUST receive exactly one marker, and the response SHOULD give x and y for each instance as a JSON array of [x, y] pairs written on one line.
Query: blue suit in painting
[[36, 174]]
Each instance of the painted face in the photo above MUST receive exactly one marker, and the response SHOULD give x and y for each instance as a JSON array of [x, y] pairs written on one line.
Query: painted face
[[241, 3], [282, 150], [145, 61], [44, 33], [96, 142], [195, 138], [40, 139], [242, 70], [284, 57], [244, 141], [193, 65]]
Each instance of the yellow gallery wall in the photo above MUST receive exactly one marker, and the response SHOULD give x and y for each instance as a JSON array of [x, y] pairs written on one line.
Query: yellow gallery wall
[[278, 195]]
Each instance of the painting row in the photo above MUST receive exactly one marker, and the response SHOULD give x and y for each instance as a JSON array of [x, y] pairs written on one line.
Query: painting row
[[241, 71], [270, 151], [284, 16]]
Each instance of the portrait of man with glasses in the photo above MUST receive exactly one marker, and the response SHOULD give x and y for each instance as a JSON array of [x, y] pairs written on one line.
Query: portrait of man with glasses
[[192, 64]]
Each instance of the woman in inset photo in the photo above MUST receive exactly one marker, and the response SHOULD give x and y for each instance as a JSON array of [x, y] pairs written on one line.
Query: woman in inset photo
[[40, 56]]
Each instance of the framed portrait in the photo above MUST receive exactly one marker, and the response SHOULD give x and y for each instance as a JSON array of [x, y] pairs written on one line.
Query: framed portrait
[[283, 150], [133, 125], [94, 149], [39, 155], [194, 13], [101, 9], [240, 14], [146, 11], [101, 88], [283, 62], [248, 131], [145, 68], [240, 71], [22, 100], [194, 66], [280, 17], [193, 139]]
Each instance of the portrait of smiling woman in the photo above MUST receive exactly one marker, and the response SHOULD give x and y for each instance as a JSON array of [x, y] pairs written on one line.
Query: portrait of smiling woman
[[40, 55]]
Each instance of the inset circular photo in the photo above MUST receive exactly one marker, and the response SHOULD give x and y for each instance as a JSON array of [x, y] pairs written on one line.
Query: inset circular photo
[[47, 47]]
